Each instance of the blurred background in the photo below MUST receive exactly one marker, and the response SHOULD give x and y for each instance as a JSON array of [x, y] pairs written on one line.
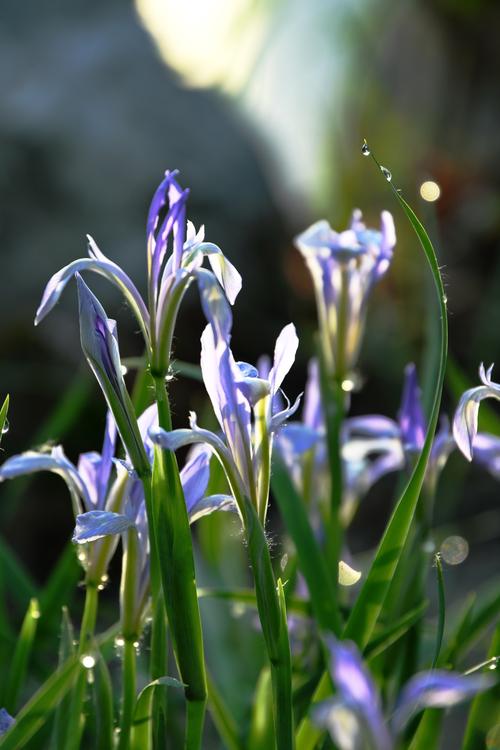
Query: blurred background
[[263, 106]]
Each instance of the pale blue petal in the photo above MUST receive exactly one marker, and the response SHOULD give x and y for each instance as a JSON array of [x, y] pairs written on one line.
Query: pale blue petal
[[372, 425], [194, 477], [207, 505], [278, 419], [466, 415], [99, 523], [284, 356], [226, 274], [436, 689]]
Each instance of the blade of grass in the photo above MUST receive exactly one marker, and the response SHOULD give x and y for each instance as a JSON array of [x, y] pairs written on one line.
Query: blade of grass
[[3, 416], [59, 588], [442, 609], [261, 729], [371, 598], [247, 597], [379, 643], [311, 561], [21, 656], [66, 650], [141, 736]]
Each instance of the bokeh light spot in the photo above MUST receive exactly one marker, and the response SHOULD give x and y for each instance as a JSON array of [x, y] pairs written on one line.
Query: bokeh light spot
[[430, 191], [454, 550]]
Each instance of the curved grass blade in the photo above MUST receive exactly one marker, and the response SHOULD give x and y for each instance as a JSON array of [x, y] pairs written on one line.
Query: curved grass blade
[[21, 656], [3, 416], [247, 597], [311, 560], [379, 643], [141, 735], [370, 601], [38, 709], [428, 731]]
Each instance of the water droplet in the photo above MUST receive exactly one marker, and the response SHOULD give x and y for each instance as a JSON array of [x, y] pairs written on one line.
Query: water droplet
[[429, 546], [348, 385], [124, 369], [386, 173], [119, 641], [238, 610], [365, 149], [284, 561], [5, 427], [454, 550], [88, 661], [445, 299]]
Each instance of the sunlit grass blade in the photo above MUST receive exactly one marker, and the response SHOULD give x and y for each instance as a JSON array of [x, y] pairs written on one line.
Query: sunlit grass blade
[[370, 601], [308, 734], [223, 720], [392, 633], [484, 714], [19, 664], [3, 416], [39, 708], [441, 609], [66, 650], [141, 736], [472, 626], [261, 735], [103, 701], [311, 561]]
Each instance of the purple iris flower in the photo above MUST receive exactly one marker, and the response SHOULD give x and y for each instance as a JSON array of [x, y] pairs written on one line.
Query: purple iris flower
[[354, 717], [89, 483], [169, 275], [98, 524], [344, 267], [245, 407]]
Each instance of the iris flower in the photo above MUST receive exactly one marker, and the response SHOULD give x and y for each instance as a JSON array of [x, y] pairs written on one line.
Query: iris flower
[[481, 447], [6, 721], [354, 717], [245, 406], [99, 524], [175, 254], [344, 267]]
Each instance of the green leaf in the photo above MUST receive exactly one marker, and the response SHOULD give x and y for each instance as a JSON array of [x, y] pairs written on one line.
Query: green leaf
[[141, 736], [103, 700], [36, 712], [21, 656], [261, 729], [442, 609], [428, 731], [392, 633], [311, 560], [21, 585], [475, 620], [66, 650], [370, 601]]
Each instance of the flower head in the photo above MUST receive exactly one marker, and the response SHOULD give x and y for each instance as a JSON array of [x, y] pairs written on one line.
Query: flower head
[[344, 267]]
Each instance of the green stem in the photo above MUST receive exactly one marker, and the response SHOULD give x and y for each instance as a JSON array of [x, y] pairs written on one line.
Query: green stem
[[175, 549], [129, 682]]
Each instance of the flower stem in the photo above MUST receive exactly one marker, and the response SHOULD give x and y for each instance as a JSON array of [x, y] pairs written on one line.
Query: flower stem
[[129, 682], [175, 550]]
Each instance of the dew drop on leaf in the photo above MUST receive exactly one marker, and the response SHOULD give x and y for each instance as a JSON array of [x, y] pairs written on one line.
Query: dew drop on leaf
[[386, 173], [365, 149]]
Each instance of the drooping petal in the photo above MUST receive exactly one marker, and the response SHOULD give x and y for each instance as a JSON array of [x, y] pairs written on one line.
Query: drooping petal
[[313, 411], [356, 688], [436, 689], [210, 504], [194, 478], [411, 415], [466, 415], [285, 350], [215, 304], [6, 721], [347, 575], [487, 452], [99, 523], [345, 724], [105, 267], [56, 462], [282, 416], [226, 274], [371, 425]]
